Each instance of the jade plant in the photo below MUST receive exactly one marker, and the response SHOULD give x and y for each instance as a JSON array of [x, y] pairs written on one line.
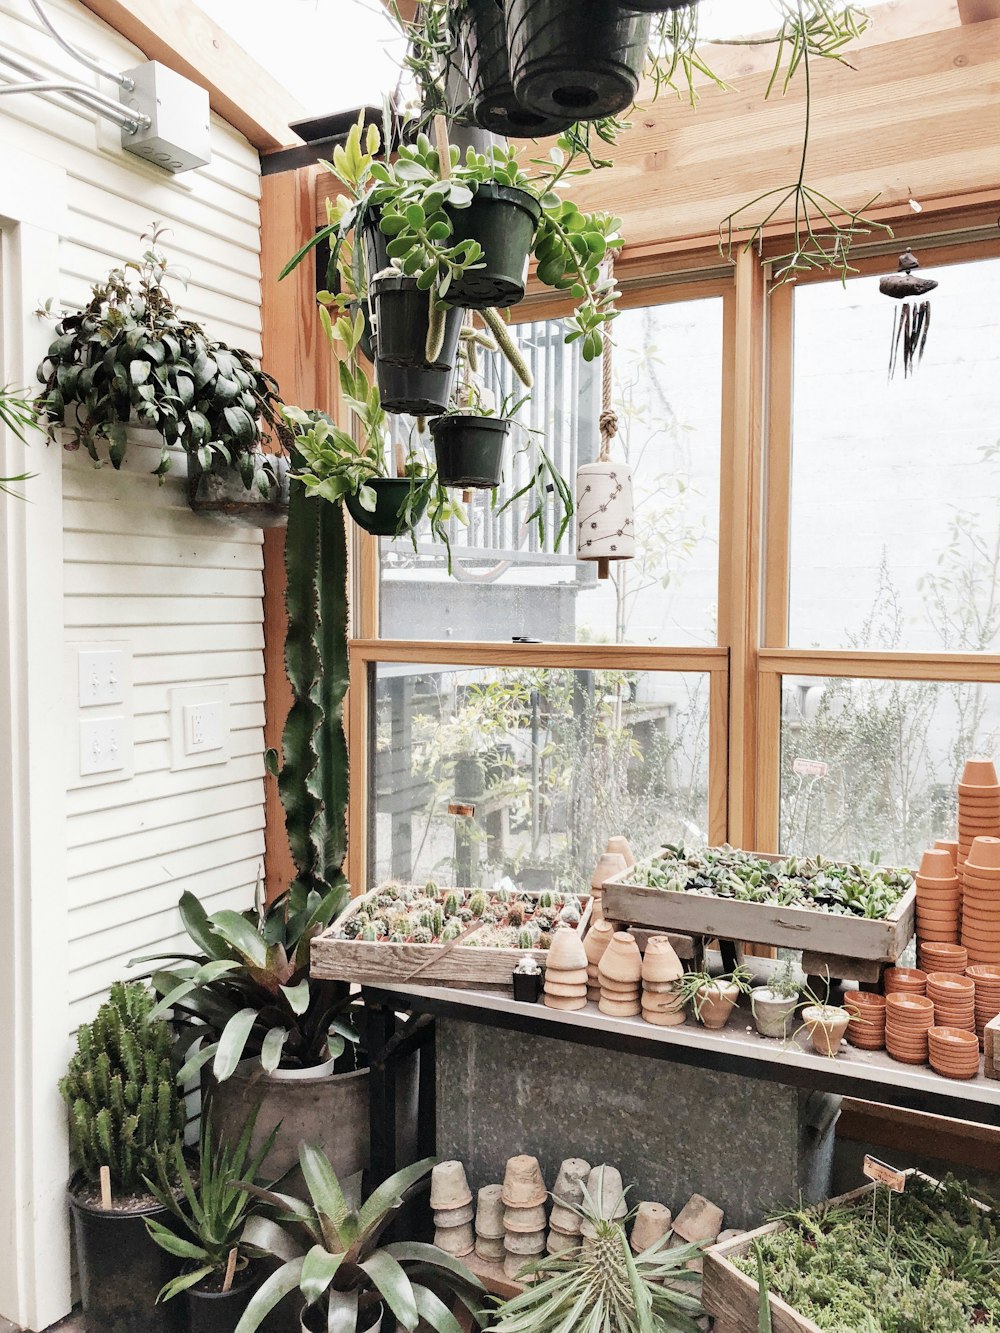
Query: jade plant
[[123, 1100], [130, 357]]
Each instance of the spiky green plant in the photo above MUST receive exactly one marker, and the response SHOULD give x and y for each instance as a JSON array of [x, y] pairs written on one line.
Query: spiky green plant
[[123, 1100]]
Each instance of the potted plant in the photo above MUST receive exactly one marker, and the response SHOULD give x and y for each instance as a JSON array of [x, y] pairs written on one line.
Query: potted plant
[[713, 999], [129, 359], [775, 1004], [825, 1023], [124, 1107], [206, 1226], [333, 1257]]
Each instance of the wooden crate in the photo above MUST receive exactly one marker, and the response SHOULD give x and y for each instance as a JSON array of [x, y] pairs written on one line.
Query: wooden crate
[[464, 965], [848, 937]]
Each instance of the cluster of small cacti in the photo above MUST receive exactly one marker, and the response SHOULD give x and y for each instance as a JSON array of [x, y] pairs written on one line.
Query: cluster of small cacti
[[123, 1100], [408, 914]]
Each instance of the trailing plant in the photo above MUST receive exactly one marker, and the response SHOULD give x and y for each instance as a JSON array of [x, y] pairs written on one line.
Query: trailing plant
[[693, 984], [130, 356], [334, 1259], [208, 1218], [19, 415], [124, 1105]]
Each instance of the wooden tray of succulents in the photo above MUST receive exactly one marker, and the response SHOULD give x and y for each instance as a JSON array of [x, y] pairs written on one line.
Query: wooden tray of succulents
[[827, 907], [408, 932]]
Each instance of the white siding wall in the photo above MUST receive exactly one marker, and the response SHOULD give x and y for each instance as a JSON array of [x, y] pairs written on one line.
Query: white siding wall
[[140, 568]]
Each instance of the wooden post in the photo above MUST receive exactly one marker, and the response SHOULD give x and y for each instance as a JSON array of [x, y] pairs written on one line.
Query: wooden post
[[227, 1281], [106, 1200]]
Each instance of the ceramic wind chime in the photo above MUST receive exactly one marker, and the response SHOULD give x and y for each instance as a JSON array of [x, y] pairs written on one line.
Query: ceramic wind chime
[[605, 513], [911, 322]]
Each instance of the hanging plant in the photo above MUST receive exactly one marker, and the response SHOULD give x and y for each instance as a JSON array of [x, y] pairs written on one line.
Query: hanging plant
[[130, 358]]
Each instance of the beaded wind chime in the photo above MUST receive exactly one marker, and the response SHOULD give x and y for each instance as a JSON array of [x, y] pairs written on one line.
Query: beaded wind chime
[[605, 511]]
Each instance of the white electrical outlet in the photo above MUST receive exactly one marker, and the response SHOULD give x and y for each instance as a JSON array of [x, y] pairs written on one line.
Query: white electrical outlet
[[105, 745], [102, 677], [203, 726], [199, 725]]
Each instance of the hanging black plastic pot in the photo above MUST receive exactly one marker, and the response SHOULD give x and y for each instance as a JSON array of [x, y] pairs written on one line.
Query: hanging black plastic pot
[[220, 1311], [581, 58], [503, 220], [469, 450], [481, 48], [406, 381], [391, 497], [374, 241]]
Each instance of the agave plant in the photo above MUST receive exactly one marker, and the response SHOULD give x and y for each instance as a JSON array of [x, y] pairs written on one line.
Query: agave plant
[[333, 1257]]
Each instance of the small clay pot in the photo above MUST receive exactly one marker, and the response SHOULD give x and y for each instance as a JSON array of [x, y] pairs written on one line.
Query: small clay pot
[[714, 1004], [523, 1183], [489, 1250], [660, 962], [453, 1217], [936, 864], [620, 990], [457, 1241], [449, 1186], [558, 1242], [652, 1223], [577, 992], [904, 980], [621, 960], [949, 845], [564, 1220], [525, 1242], [619, 1008], [513, 1265], [525, 1220], [985, 853], [908, 1010], [825, 1026], [609, 866], [567, 976], [597, 939], [979, 772], [572, 1177], [664, 1018], [565, 1003], [489, 1213], [772, 1013], [566, 952], [662, 1004], [619, 846], [607, 1194]]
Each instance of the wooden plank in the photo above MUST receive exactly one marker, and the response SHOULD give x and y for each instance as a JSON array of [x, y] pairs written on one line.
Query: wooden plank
[[978, 11], [574, 656], [838, 967], [878, 666], [916, 1134], [186, 39]]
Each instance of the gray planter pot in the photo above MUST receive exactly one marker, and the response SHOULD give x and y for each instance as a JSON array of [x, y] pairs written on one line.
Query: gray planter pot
[[221, 493], [773, 1014], [315, 1324]]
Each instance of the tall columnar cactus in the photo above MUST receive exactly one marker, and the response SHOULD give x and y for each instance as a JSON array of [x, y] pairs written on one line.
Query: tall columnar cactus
[[123, 1100], [313, 781]]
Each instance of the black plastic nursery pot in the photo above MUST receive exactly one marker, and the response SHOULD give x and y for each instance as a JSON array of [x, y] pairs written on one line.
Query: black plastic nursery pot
[[391, 495], [481, 44], [502, 219], [470, 451], [122, 1269], [581, 58], [657, 6], [314, 1321], [374, 241], [220, 1311], [407, 383]]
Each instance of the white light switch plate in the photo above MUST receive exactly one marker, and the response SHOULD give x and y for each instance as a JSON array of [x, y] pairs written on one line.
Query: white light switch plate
[[98, 694], [199, 726], [102, 677], [105, 745]]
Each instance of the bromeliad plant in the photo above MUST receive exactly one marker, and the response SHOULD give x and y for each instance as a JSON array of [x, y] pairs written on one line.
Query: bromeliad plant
[[333, 1257]]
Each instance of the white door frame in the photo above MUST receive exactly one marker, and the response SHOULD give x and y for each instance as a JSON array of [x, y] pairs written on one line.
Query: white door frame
[[34, 980]]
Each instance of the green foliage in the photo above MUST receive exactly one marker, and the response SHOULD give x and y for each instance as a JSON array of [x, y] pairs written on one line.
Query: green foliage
[[130, 354], [123, 1102], [785, 981], [692, 984], [19, 415], [333, 1258]]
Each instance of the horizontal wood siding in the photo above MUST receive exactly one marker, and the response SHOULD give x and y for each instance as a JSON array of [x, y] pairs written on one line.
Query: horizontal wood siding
[[140, 568]]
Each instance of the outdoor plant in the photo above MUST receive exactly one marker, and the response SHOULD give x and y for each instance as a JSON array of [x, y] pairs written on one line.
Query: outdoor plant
[[333, 1257], [208, 1218], [129, 356], [19, 415], [124, 1105]]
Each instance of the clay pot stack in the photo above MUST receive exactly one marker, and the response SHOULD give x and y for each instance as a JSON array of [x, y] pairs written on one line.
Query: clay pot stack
[[620, 974], [954, 1000], [597, 940], [943, 958], [490, 1229], [986, 978], [652, 1223], [978, 805], [866, 1030], [607, 1196], [451, 1202], [954, 1052], [661, 974], [565, 1222], [904, 981], [608, 865], [949, 845], [907, 1020], [565, 985], [939, 898], [981, 901], [523, 1195]]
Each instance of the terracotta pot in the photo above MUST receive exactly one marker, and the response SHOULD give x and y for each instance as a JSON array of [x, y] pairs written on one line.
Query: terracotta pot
[[449, 1186], [621, 960], [566, 951], [664, 1018], [660, 963], [564, 1002], [772, 1013], [490, 1250], [568, 992], [904, 980], [489, 1213], [527, 1220], [713, 1005], [950, 958], [908, 1010], [609, 864], [825, 1026], [597, 940], [558, 1242], [949, 845], [652, 1223], [936, 864], [619, 846], [619, 1008], [985, 852], [523, 1183], [980, 772], [572, 1177], [453, 1217], [456, 1241], [604, 1185]]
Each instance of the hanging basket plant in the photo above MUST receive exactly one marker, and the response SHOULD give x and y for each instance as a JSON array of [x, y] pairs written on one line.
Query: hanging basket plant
[[129, 358], [415, 362]]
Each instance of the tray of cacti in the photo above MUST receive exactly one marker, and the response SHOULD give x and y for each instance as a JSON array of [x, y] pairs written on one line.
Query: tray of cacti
[[435, 936]]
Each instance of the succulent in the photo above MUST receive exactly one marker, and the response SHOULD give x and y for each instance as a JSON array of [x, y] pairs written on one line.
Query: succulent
[[569, 915], [451, 904], [422, 936], [437, 921], [369, 934], [542, 920], [515, 914], [451, 931], [478, 904], [396, 938], [524, 940], [465, 915]]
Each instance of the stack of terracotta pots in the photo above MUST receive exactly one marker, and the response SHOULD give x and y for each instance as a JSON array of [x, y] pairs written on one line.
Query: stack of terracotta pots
[[565, 1221], [954, 1052], [607, 1198], [866, 1030], [451, 1202], [986, 978], [954, 1000], [620, 974], [907, 1020], [565, 984], [978, 805], [523, 1195], [490, 1229], [943, 957], [597, 940], [949, 845], [981, 901], [904, 981], [939, 898], [662, 971]]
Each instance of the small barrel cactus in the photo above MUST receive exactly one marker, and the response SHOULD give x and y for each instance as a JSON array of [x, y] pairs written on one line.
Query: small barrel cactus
[[422, 936], [451, 931], [478, 904], [524, 940], [451, 904], [369, 935], [515, 914], [545, 899], [437, 922]]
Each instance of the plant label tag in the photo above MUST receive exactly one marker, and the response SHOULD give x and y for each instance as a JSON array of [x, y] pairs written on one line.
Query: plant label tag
[[462, 808], [810, 768], [886, 1175]]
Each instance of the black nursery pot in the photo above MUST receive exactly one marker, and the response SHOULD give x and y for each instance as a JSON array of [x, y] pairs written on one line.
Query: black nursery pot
[[391, 494], [502, 219], [470, 451], [122, 1269], [581, 58], [481, 41], [657, 6], [407, 383], [218, 1311]]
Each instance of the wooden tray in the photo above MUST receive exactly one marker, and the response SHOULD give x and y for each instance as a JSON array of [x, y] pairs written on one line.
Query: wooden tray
[[763, 923], [464, 964]]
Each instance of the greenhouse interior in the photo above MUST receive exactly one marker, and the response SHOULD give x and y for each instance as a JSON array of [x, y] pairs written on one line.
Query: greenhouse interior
[[500, 504]]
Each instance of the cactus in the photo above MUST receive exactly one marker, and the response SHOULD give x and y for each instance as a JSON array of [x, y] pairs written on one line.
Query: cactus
[[124, 1104], [515, 914], [524, 940], [422, 936], [509, 348], [451, 904], [478, 904], [437, 922], [545, 899]]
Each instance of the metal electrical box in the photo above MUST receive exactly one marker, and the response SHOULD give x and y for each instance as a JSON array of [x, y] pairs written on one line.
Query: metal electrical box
[[179, 135]]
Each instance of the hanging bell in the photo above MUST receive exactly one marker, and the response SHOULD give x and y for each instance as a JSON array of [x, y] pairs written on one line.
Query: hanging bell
[[605, 514], [910, 323]]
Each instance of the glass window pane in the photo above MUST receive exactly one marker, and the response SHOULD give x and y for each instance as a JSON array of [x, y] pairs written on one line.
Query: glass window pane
[[507, 583], [554, 761], [869, 768], [895, 529]]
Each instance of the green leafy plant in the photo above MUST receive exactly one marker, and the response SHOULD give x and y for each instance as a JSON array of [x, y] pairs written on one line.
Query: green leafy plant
[[692, 985], [208, 1218], [123, 1100], [784, 983], [333, 1257], [130, 356], [19, 415]]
